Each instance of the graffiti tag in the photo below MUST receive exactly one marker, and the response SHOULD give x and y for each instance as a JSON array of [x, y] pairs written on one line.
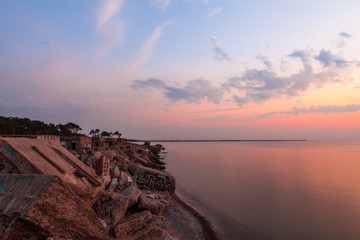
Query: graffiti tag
[[151, 182], [11, 152], [17, 180]]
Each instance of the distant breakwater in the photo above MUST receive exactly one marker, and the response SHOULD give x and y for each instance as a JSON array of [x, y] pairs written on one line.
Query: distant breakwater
[[270, 140]]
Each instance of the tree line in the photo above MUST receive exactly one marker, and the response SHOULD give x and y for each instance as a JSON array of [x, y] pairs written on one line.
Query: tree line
[[26, 126], [98, 133]]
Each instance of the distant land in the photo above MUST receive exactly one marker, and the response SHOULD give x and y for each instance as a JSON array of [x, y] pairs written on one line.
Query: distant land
[[219, 140]]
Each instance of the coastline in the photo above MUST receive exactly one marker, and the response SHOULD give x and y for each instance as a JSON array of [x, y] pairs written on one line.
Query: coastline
[[193, 222], [121, 188]]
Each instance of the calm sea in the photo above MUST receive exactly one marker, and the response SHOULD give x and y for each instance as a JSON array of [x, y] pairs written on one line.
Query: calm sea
[[272, 190]]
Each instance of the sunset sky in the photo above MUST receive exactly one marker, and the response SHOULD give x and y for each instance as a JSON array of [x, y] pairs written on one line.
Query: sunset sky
[[185, 69]]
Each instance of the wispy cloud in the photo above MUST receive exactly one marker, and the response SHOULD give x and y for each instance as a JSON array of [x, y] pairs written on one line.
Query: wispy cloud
[[193, 92], [213, 119], [345, 35], [265, 61], [160, 4], [108, 25], [214, 11], [206, 2], [108, 9], [317, 109], [219, 53], [330, 60], [146, 50]]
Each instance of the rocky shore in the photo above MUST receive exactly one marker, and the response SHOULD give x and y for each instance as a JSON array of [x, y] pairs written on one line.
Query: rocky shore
[[111, 190]]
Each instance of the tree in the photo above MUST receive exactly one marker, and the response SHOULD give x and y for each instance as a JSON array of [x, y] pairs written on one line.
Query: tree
[[105, 134], [92, 132], [97, 133], [74, 128], [116, 133]]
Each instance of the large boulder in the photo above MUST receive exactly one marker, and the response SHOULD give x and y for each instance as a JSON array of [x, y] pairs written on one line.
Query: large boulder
[[156, 203], [154, 180], [112, 185], [133, 193], [115, 172], [124, 181], [132, 224], [111, 207]]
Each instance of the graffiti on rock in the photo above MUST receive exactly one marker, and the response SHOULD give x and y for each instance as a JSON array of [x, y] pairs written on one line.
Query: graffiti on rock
[[2, 186], [149, 181], [11, 153], [17, 180]]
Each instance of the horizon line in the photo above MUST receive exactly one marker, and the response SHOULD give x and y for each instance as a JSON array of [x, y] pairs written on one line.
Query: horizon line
[[220, 140]]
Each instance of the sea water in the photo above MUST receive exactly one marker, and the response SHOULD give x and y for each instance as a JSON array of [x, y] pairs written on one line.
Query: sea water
[[272, 190]]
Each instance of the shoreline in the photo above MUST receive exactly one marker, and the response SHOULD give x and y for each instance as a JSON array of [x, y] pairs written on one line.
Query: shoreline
[[218, 140], [207, 228]]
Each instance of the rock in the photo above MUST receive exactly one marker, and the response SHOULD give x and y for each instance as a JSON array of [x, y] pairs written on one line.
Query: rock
[[122, 184], [123, 164], [153, 233], [133, 193], [124, 175], [111, 207], [132, 224], [102, 166], [97, 155], [154, 180], [106, 180], [115, 172], [47, 204], [155, 205], [112, 185], [132, 169]]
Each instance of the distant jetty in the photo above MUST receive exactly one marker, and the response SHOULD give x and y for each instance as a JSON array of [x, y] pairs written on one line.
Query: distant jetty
[[219, 140]]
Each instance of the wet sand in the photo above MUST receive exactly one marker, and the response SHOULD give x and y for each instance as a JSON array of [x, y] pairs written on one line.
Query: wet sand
[[187, 223], [212, 222]]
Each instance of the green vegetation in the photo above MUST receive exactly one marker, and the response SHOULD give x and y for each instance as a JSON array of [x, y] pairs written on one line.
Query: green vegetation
[[25, 126]]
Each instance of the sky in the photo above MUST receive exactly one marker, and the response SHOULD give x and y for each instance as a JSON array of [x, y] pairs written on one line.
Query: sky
[[185, 69]]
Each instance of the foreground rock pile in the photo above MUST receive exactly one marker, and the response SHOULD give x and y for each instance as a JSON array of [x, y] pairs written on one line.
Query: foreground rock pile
[[134, 198], [136, 192]]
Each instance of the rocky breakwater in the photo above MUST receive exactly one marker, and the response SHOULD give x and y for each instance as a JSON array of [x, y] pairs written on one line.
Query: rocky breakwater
[[132, 197], [139, 201]]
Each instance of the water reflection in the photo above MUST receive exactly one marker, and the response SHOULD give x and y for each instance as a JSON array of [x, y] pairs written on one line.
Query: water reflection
[[284, 190]]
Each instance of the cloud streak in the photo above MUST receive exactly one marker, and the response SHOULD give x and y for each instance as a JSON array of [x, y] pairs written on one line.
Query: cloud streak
[[317, 109], [219, 53], [193, 92], [265, 61], [109, 9], [146, 50], [160, 4], [341, 42], [213, 119], [110, 27], [345, 35], [214, 11]]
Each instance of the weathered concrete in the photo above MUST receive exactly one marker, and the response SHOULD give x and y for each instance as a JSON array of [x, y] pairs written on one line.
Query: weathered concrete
[[50, 204], [111, 208], [157, 203], [34, 156], [132, 224]]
